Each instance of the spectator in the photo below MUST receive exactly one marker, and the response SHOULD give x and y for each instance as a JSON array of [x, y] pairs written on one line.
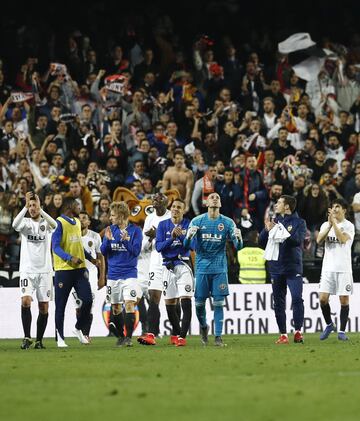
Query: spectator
[[253, 194], [314, 210]]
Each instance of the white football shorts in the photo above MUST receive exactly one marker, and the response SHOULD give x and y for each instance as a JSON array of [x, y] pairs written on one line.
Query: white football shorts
[[121, 290], [155, 281], [336, 283], [178, 282], [41, 283]]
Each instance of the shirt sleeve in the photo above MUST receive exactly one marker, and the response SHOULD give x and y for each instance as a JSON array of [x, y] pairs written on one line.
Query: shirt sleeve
[[19, 222], [97, 243], [324, 227], [133, 245], [187, 242], [356, 200], [146, 245], [350, 231], [56, 241], [51, 222], [161, 242], [231, 234]]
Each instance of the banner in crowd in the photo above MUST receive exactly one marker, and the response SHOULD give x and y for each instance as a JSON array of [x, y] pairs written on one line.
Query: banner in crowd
[[248, 310], [21, 96]]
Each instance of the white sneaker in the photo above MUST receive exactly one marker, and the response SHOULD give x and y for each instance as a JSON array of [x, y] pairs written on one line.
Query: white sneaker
[[81, 336], [61, 343]]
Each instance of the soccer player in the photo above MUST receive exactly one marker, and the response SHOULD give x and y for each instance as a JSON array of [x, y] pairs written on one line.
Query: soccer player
[[121, 246], [35, 265], [155, 280], [336, 273], [177, 274], [70, 270], [287, 270], [91, 241], [211, 231]]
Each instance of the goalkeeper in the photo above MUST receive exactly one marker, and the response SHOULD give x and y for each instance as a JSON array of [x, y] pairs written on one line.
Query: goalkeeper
[[210, 231]]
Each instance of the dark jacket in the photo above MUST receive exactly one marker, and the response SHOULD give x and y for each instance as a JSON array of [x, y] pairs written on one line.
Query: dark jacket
[[290, 251]]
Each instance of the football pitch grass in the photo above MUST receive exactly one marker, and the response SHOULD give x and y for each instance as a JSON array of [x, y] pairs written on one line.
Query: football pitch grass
[[250, 379]]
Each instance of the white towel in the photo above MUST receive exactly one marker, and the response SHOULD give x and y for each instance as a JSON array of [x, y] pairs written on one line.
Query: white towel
[[278, 234]]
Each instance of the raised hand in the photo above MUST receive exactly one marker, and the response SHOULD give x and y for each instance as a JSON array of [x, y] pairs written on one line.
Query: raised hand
[[192, 232], [237, 233]]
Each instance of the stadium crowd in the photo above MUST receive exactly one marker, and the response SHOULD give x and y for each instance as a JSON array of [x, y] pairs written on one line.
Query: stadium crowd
[[151, 114]]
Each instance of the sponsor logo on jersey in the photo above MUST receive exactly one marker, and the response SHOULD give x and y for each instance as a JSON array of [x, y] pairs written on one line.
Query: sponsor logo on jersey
[[118, 247], [221, 227], [35, 238], [211, 237], [74, 238]]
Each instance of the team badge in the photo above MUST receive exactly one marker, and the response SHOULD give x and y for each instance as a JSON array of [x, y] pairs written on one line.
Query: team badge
[[48, 293], [222, 287], [289, 228], [86, 274], [90, 243], [183, 232], [60, 284], [348, 287], [221, 227], [22, 290], [42, 227], [187, 288], [133, 293]]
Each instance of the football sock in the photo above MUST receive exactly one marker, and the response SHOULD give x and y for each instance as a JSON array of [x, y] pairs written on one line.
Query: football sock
[[344, 314], [326, 313], [157, 320], [186, 320], [143, 315], [86, 330], [41, 325], [201, 312], [153, 318], [118, 320], [218, 317], [174, 318], [26, 320], [129, 324], [178, 309]]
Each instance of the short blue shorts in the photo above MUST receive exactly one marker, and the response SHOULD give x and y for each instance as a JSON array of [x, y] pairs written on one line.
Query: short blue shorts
[[211, 285]]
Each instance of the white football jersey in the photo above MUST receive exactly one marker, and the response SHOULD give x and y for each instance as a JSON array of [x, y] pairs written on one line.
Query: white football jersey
[[35, 253], [91, 242], [153, 220], [337, 257]]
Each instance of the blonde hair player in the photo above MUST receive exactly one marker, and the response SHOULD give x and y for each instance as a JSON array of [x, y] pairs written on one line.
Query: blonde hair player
[[121, 247]]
